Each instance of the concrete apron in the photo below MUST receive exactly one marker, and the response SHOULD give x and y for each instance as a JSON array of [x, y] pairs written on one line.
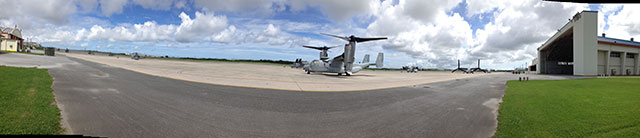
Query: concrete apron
[[272, 76]]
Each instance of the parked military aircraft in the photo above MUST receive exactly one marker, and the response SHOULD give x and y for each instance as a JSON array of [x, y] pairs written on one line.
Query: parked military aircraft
[[337, 65], [470, 70], [479, 69], [299, 63], [460, 69], [135, 56], [344, 63], [519, 71], [411, 68], [324, 55]]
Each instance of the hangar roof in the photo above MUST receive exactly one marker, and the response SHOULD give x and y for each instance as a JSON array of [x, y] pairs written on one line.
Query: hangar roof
[[620, 42]]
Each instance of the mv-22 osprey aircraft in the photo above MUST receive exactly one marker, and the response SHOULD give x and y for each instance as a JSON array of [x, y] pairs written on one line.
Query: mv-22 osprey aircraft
[[345, 62], [471, 70]]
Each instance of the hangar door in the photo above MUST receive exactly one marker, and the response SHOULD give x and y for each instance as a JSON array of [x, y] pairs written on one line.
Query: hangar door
[[602, 62], [557, 57]]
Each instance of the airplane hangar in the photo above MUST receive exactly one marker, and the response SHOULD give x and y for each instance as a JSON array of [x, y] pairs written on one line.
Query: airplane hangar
[[576, 49]]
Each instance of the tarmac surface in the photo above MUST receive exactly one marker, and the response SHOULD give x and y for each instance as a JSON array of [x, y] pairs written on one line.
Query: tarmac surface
[[271, 76], [102, 100]]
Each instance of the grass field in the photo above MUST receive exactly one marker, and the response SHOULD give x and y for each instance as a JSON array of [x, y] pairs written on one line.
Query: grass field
[[571, 108], [26, 102]]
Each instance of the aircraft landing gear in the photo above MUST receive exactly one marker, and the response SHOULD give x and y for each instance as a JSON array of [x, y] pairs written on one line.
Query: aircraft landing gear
[[308, 72], [339, 74]]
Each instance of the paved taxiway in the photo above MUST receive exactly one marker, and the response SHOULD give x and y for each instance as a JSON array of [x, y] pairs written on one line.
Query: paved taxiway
[[269, 75], [101, 100]]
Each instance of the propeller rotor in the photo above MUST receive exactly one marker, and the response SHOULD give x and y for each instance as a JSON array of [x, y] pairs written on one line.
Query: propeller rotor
[[320, 48], [354, 38]]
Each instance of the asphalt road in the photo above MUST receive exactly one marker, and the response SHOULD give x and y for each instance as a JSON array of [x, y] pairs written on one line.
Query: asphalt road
[[99, 100]]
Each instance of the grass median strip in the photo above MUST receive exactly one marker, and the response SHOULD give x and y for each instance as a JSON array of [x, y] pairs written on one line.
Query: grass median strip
[[26, 102], [571, 108]]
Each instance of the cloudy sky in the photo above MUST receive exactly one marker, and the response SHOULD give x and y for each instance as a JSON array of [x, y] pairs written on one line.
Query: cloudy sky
[[430, 33]]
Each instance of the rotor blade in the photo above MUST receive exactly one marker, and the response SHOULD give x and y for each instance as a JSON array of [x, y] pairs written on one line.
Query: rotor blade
[[358, 39], [333, 47], [341, 37], [313, 47]]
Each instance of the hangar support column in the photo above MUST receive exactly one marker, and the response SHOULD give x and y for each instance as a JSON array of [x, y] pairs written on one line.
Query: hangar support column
[[623, 67], [637, 69], [584, 43], [607, 67], [541, 63]]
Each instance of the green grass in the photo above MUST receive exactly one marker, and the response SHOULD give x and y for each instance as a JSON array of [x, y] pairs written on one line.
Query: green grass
[[571, 108], [26, 102]]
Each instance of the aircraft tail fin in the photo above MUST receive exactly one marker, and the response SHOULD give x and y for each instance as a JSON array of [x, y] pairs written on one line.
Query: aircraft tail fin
[[366, 59], [380, 60]]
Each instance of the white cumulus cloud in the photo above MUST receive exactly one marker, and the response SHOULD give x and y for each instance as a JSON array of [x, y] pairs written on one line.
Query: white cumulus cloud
[[622, 24], [110, 7], [338, 10], [519, 28], [436, 38], [201, 26]]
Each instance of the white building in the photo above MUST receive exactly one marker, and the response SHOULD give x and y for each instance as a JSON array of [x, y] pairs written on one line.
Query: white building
[[10, 39], [576, 49]]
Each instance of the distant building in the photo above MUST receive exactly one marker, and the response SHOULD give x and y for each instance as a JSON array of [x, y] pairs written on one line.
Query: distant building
[[32, 45], [533, 68], [10, 39], [576, 49]]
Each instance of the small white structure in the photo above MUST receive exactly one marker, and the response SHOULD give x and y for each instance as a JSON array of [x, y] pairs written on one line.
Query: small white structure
[[576, 49]]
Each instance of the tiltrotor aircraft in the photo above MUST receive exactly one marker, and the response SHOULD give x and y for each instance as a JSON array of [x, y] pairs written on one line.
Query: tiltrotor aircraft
[[299, 63], [479, 69], [324, 56], [470, 70], [459, 68], [344, 63]]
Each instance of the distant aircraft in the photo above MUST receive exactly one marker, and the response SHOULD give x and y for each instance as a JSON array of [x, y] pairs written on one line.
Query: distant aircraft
[[135, 56], [411, 68], [470, 70], [324, 55], [460, 69], [299, 63], [479, 69], [519, 71], [344, 63]]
